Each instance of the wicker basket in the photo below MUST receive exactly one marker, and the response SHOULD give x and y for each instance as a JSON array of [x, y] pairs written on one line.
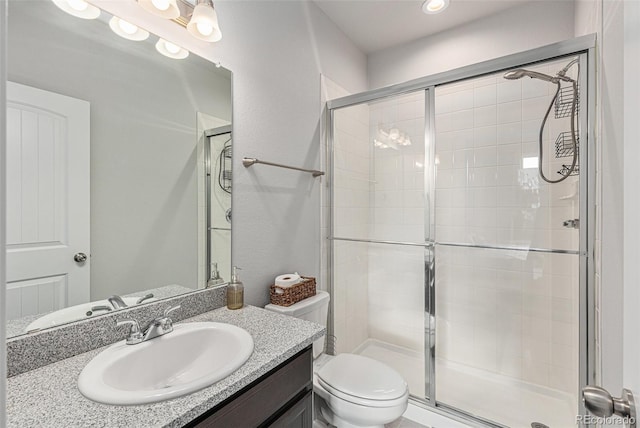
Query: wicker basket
[[287, 296]]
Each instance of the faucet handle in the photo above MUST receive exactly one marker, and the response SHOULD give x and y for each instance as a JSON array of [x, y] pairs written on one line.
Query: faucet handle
[[135, 335], [143, 298], [170, 309]]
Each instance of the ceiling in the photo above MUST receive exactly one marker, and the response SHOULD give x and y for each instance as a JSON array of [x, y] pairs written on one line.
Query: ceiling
[[378, 24]]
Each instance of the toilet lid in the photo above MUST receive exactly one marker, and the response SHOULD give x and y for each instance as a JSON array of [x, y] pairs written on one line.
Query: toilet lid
[[362, 377]]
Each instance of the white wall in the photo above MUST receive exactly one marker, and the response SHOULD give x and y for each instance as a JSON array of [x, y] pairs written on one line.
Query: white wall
[[515, 30], [607, 19], [611, 144]]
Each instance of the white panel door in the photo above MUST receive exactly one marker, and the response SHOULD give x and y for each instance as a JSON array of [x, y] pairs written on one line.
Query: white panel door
[[47, 200]]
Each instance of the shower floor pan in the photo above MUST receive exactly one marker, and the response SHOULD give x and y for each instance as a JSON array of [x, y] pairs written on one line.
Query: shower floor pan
[[502, 399]]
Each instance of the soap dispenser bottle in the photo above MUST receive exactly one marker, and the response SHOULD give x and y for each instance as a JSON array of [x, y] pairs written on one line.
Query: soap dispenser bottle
[[215, 279], [235, 291]]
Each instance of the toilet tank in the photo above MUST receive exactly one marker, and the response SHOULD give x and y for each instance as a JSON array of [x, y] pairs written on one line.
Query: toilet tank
[[314, 309]]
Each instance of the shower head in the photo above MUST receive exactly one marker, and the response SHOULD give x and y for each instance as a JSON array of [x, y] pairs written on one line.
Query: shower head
[[520, 73]]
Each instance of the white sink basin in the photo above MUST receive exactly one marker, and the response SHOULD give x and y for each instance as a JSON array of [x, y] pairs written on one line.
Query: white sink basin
[[77, 312], [191, 357]]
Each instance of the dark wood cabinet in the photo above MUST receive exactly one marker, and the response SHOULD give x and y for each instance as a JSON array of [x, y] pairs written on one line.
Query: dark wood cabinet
[[299, 415], [281, 398]]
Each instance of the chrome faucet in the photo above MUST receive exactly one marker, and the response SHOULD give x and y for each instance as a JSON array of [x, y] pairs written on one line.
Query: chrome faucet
[[158, 327], [117, 302]]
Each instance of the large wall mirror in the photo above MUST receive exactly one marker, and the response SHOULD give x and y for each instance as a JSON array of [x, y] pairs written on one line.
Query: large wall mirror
[[119, 170]]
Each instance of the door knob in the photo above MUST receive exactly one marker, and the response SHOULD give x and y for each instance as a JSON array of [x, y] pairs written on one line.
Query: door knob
[[80, 257], [600, 403]]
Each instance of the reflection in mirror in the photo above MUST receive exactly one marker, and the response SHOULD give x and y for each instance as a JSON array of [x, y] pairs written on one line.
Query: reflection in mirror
[[218, 157], [106, 169]]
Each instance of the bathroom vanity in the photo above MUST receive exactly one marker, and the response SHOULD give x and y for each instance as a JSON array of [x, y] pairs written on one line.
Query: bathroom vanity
[[272, 388]]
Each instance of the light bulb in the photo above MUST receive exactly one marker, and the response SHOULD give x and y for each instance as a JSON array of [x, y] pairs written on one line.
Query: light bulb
[[161, 4], [79, 5], [204, 28], [78, 8], [434, 6], [167, 9], [174, 49], [127, 27], [171, 50], [127, 30], [203, 24]]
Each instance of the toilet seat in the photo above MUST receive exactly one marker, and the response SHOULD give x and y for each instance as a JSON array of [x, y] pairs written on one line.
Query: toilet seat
[[363, 401], [363, 381]]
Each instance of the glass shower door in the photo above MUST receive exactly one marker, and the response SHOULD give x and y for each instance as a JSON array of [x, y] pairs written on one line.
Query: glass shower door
[[378, 233], [507, 254]]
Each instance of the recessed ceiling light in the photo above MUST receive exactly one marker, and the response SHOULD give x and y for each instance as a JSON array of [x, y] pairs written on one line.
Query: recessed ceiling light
[[431, 7]]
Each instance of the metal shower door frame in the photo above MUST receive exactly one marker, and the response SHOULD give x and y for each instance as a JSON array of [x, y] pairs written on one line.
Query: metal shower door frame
[[584, 47]]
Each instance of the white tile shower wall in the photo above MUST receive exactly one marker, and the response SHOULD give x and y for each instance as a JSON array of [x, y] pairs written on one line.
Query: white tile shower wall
[[488, 192], [396, 273], [351, 159], [509, 312]]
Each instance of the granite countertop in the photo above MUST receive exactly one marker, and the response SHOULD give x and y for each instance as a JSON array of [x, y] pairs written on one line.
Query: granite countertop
[[49, 396], [16, 327]]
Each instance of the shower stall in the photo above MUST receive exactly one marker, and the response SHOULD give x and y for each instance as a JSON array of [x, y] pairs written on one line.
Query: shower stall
[[461, 235]]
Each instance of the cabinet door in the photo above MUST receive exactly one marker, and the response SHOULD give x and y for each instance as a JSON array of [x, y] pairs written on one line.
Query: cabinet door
[[300, 415], [257, 403]]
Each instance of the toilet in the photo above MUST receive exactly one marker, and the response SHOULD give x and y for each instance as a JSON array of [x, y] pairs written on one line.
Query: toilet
[[355, 391]]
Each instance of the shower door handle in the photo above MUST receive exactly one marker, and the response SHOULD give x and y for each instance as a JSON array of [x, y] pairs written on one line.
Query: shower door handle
[[600, 403]]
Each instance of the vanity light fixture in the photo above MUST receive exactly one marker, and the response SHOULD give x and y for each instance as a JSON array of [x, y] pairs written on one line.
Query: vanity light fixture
[[164, 8], [127, 30], [78, 8], [171, 50], [431, 7], [203, 24]]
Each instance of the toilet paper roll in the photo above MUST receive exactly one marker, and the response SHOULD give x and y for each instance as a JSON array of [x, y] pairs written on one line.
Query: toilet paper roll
[[287, 280]]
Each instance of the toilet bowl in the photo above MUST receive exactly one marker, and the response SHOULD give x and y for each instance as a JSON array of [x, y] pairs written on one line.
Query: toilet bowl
[[354, 391]]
